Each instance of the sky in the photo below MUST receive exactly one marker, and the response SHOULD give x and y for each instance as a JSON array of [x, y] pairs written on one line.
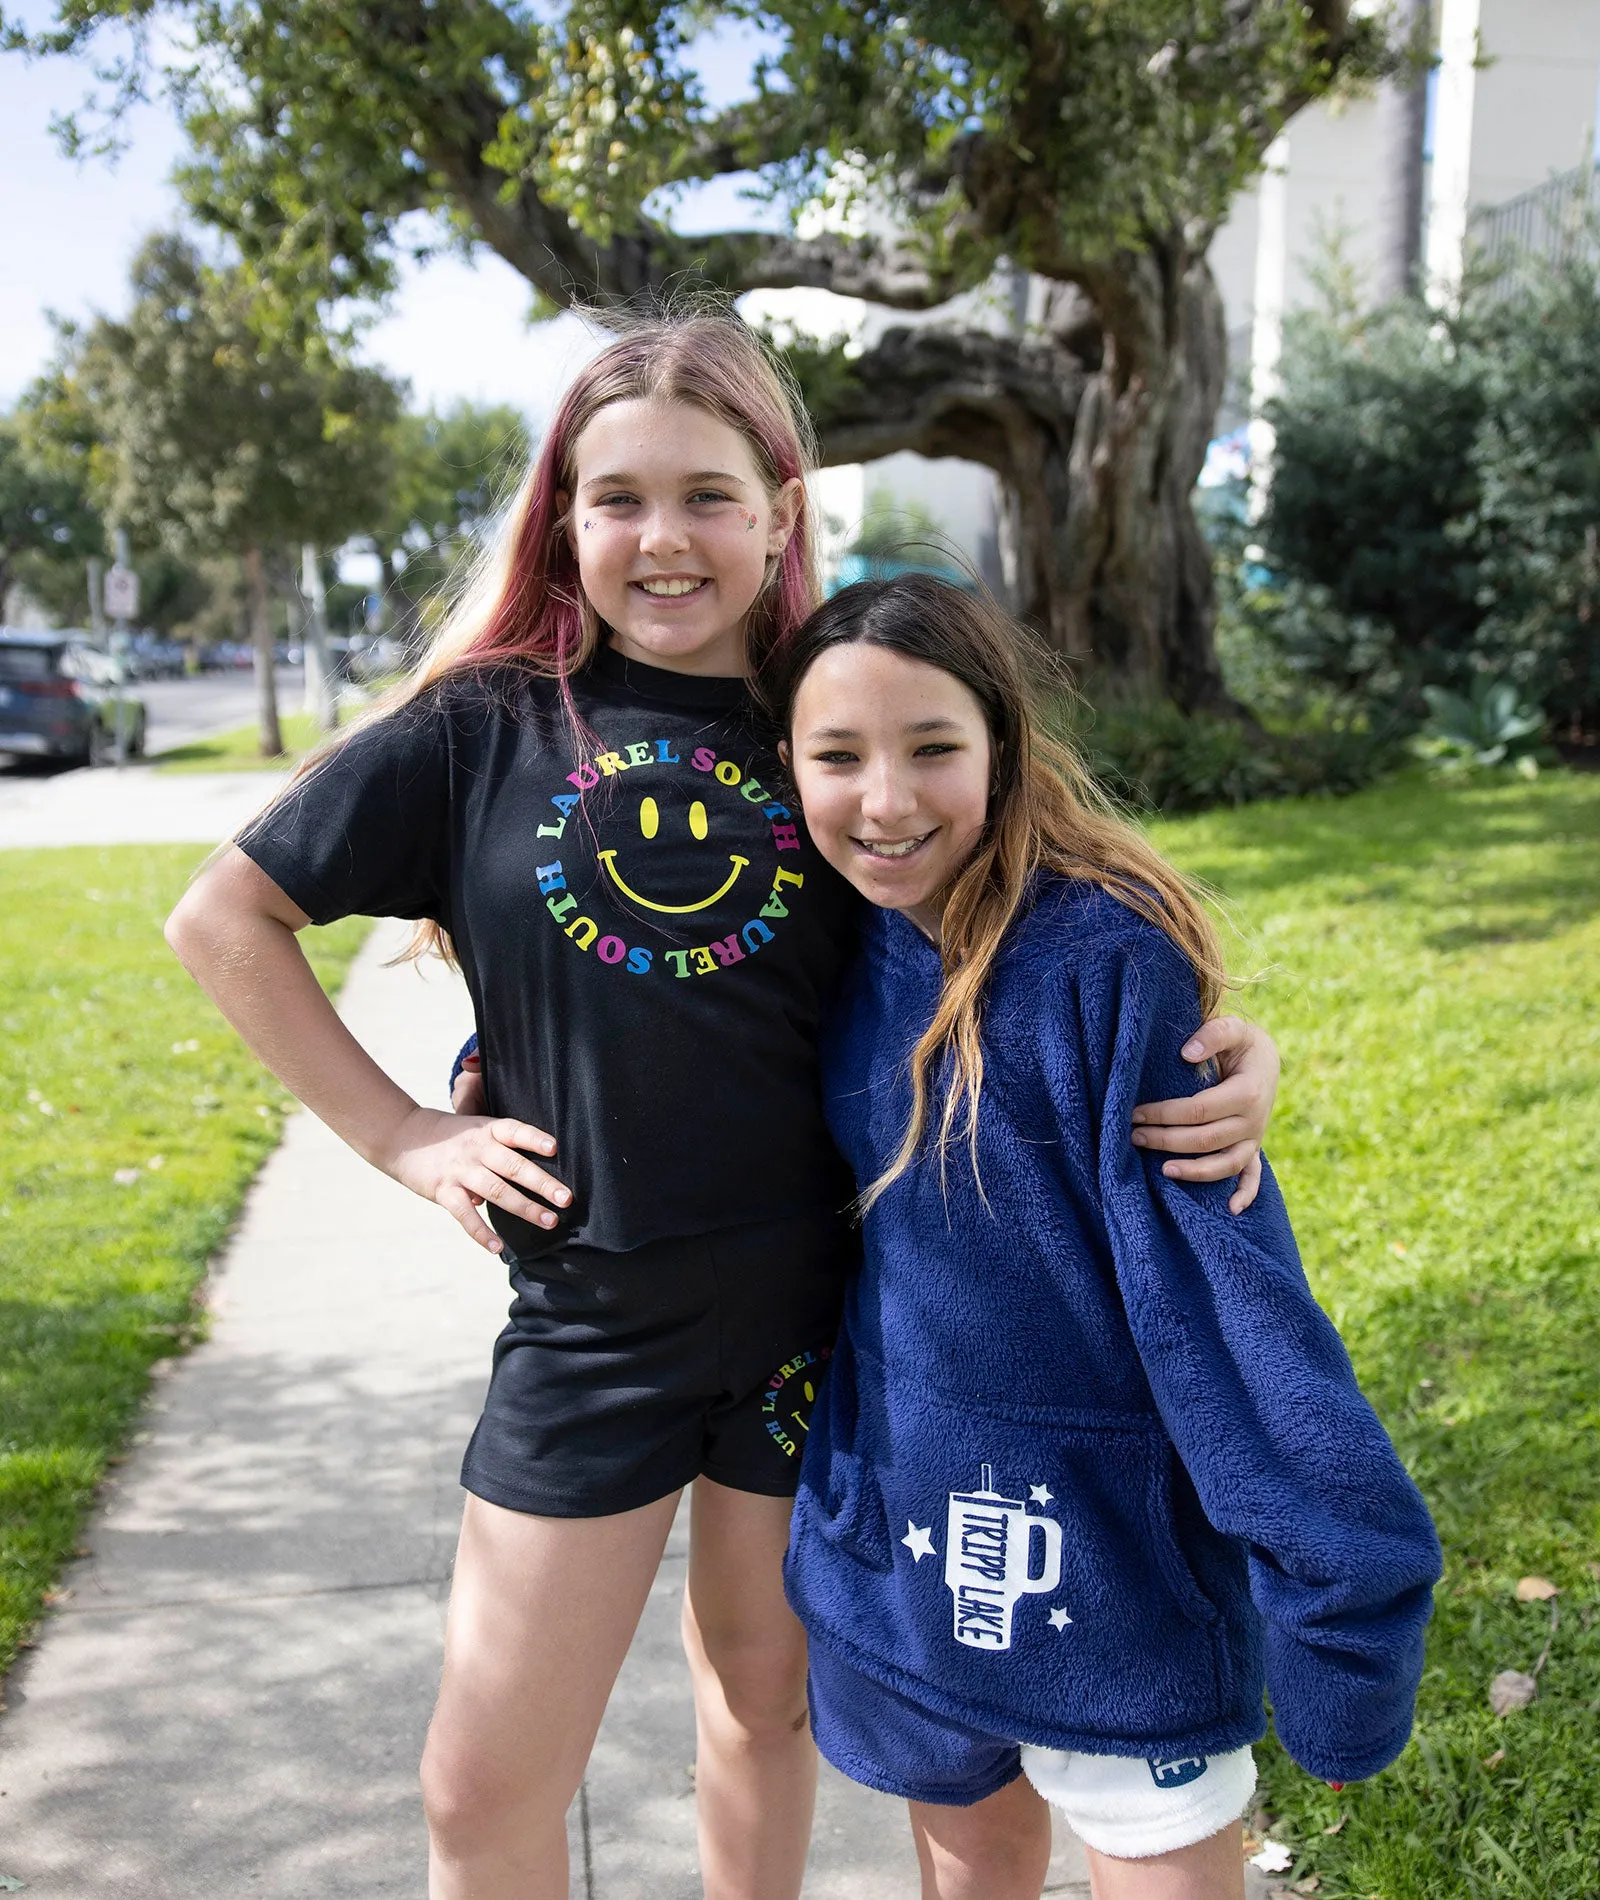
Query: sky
[[455, 329]]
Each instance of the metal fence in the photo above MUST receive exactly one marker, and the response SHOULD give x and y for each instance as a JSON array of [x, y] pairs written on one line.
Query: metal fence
[[1556, 221]]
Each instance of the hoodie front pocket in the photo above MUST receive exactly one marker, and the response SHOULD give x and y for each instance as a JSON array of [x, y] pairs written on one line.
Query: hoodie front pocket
[[1039, 1576]]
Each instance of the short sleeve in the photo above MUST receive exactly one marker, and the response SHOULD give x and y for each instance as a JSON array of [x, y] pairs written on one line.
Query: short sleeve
[[366, 832]]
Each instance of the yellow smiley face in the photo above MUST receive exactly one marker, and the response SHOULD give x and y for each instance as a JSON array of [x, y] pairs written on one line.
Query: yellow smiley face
[[649, 826]]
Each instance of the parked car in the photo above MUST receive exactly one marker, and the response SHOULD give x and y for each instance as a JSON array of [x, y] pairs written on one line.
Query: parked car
[[60, 700]]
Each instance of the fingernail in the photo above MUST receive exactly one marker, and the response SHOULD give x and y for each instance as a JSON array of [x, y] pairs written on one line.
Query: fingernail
[[1170, 1170], [547, 1147], [1193, 1051], [547, 1220], [562, 1198], [1140, 1138]]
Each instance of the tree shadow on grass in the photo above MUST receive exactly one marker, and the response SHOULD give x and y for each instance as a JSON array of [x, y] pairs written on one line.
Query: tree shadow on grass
[[1380, 841]]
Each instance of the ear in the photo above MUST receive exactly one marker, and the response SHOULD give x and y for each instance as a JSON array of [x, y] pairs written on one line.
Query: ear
[[783, 753], [786, 507]]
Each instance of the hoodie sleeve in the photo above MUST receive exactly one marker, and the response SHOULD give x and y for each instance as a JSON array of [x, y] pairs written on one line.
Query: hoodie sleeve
[[1257, 1392]]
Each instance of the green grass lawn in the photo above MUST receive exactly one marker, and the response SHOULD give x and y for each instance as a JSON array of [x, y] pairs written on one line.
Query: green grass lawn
[[1434, 981], [240, 750], [1433, 958], [131, 1121]]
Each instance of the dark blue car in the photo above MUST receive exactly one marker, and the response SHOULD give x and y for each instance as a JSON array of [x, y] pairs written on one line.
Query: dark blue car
[[60, 700]]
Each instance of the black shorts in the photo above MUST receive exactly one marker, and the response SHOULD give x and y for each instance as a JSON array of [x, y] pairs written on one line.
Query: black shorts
[[622, 1376]]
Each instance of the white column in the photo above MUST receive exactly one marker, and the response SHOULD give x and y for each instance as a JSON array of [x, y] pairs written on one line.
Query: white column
[[1450, 186], [1266, 330]]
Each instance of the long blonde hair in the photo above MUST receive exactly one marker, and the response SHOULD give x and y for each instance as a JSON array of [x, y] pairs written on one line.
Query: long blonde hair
[[1046, 813]]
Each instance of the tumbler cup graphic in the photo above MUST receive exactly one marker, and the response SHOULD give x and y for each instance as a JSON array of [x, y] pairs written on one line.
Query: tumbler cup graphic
[[988, 1562]]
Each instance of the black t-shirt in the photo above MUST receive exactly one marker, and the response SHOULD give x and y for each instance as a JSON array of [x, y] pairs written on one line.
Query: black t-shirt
[[648, 934]]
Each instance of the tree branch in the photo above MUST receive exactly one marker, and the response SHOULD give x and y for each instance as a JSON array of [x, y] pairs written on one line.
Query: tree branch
[[954, 392]]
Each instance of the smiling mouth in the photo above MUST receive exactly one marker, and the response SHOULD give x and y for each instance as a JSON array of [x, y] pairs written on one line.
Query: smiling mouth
[[892, 851], [672, 589], [609, 860]]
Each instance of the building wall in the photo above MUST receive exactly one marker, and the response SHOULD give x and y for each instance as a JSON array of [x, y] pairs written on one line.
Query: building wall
[[1534, 102], [1502, 123]]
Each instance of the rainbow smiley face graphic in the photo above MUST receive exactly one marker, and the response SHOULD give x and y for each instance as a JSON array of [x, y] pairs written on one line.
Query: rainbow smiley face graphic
[[649, 827], [700, 848]]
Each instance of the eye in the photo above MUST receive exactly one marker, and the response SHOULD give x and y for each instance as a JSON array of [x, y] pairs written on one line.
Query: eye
[[709, 494], [936, 748], [613, 501], [649, 818], [834, 758], [697, 820]]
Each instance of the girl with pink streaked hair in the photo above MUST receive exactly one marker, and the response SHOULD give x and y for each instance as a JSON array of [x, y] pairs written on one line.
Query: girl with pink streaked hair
[[576, 798]]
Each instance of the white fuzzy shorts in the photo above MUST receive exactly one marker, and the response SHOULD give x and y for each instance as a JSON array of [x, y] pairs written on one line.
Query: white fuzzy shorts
[[1131, 1808]]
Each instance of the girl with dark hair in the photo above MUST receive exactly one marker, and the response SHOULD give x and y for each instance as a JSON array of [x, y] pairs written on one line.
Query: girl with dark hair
[[574, 797], [1091, 1466]]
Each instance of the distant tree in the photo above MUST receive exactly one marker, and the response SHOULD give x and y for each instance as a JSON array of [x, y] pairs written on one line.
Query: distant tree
[[453, 470], [49, 526], [222, 440], [927, 149]]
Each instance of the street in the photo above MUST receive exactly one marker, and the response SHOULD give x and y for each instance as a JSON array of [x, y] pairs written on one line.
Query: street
[[180, 711]]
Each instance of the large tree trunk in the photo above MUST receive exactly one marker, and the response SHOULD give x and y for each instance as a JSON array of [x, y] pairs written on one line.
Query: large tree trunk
[[1097, 423], [261, 640]]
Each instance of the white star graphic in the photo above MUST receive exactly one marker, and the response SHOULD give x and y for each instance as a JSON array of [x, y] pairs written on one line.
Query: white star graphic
[[1059, 1619], [1041, 1494], [918, 1542]]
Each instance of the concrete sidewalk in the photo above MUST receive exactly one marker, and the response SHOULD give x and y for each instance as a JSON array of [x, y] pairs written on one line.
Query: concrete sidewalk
[[136, 805], [231, 1698]]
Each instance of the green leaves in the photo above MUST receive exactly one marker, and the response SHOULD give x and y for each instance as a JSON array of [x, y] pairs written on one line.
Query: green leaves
[[1053, 131], [217, 436]]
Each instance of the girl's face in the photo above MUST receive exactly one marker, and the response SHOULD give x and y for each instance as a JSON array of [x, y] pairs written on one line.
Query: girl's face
[[891, 758], [673, 529]]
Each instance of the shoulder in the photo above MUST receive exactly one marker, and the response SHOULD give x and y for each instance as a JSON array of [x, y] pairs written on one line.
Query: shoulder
[[1074, 929]]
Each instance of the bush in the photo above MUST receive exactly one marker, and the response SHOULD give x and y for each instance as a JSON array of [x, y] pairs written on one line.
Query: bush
[[1155, 757], [1435, 511], [1373, 471], [1536, 459]]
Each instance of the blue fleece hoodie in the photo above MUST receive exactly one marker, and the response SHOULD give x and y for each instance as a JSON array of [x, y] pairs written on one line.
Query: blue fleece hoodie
[[1091, 1465]]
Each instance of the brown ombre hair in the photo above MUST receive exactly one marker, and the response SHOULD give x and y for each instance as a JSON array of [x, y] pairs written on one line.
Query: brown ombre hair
[[1046, 813]]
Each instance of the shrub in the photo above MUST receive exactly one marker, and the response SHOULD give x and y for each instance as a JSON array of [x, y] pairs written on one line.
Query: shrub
[[1373, 471], [1536, 460], [1435, 511], [1491, 727], [1155, 757]]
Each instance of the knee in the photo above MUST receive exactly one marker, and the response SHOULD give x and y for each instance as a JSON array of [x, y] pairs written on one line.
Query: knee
[[471, 1800], [760, 1685]]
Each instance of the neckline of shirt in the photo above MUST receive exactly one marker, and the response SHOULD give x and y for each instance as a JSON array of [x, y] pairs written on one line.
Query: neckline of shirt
[[704, 691]]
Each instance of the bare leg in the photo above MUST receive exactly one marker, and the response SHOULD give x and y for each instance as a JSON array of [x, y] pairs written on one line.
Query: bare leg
[[1212, 1869], [542, 1610], [998, 1849], [756, 1767]]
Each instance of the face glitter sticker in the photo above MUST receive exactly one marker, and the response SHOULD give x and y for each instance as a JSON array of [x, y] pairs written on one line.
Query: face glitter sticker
[[750, 519]]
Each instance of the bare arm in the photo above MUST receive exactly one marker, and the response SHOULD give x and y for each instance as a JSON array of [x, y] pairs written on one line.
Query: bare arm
[[234, 930]]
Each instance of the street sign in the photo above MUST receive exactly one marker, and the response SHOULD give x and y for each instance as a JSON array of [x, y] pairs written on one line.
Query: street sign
[[122, 593]]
